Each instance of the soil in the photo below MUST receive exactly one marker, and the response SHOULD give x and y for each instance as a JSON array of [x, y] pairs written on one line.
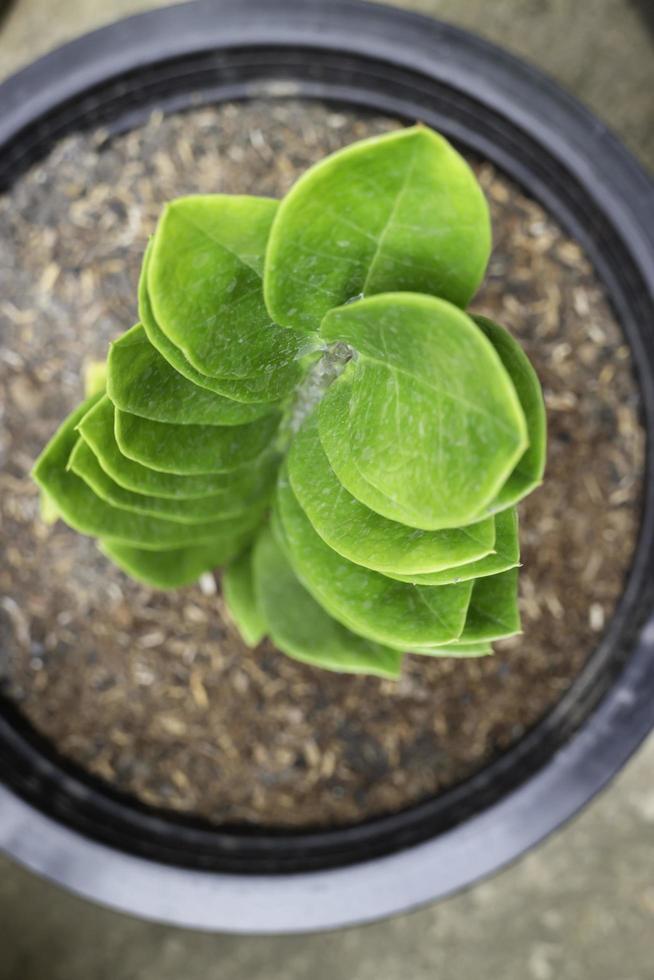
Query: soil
[[154, 692]]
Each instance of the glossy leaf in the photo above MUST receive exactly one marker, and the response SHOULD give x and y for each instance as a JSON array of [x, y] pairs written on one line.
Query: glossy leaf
[[97, 428], [142, 382], [171, 569], [241, 601], [193, 449], [256, 390], [493, 613], [434, 422], [84, 511], [455, 650], [198, 510], [47, 508], [529, 469], [302, 628], [205, 287], [506, 555], [334, 438], [401, 211], [95, 378], [394, 613], [365, 537]]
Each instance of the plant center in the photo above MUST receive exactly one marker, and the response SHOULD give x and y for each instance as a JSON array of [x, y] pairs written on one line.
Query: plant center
[[317, 380]]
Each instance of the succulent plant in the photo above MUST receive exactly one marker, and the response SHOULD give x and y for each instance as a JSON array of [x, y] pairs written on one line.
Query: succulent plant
[[306, 404]]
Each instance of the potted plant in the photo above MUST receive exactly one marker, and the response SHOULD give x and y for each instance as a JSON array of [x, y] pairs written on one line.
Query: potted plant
[[258, 874]]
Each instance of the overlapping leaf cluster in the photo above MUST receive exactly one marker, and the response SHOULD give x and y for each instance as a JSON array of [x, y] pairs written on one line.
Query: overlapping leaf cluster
[[358, 522]]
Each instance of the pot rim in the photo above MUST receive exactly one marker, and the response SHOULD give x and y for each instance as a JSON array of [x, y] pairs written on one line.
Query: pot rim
[[396, 62]]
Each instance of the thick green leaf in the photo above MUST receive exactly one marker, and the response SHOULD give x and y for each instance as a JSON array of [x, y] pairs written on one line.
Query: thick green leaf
[[263, 389], [529, 469], [241, 601], [463, 651], [171, 569], [195, 510], [205, 289], [455, 650], [506, 555], [434, 421], [186, 450], [302, 629], [396, 614], [334, 438], [365, 537], [98, 430], [142, 382], [401, 211], [47, 508], [85, 512], [95, 378], [493, 613]]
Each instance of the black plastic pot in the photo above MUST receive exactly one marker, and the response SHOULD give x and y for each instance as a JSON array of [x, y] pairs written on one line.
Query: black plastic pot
[[62, 823]]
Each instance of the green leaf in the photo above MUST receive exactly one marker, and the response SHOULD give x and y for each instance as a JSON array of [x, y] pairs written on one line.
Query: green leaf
[[170, 569], [365, 537], [302, 628], [493, 612], [186, 450], [492, 615], [142, 382], [240, 599], [85, 512], [434, 422], [205, 290], [506, 555], [396, 614], [528, 472], [95, 377], [401, 211], [455, 650], [197, 510], [334, 438], [47, 508], [263, 389], [98, 430]]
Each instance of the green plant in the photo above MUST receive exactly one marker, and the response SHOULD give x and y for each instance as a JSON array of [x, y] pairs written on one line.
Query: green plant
[[305, 402]]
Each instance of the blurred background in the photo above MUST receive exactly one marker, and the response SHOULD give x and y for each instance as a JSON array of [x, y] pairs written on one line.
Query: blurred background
[[582, 905]]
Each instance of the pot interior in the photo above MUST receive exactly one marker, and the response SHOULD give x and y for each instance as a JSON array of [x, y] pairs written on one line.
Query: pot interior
[[190, 747]]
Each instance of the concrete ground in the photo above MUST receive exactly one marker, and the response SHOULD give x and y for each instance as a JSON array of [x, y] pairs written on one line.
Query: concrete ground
[[579, 908]]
